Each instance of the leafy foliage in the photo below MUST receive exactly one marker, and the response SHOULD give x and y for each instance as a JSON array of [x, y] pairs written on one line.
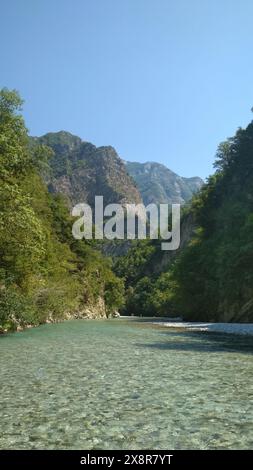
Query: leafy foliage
[[211, 278], [44, 272], [148, 291], [214, 275]]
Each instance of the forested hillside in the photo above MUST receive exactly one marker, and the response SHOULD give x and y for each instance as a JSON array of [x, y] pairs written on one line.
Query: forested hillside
[[214, 275], [211, 278], [44, 273]]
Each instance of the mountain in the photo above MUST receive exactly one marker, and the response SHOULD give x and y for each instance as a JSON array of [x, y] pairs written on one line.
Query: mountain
[[80, 170], [157, 184]]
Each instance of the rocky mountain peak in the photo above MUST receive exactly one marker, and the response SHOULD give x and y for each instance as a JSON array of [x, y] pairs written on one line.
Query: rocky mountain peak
[[80, 171], [158, 184]]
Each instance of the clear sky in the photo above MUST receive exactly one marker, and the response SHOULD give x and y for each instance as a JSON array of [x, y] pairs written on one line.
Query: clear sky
[[160, 80]]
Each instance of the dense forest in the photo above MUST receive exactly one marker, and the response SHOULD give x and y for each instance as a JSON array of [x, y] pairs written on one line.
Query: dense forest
[[46, 275], [211, 278]]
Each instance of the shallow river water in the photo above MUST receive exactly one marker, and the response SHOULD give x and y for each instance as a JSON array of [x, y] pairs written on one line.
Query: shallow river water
[[120, 384]]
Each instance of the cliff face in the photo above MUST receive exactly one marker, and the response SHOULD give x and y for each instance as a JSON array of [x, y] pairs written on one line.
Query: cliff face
[[164, 259], [157, 184], [80, 171]]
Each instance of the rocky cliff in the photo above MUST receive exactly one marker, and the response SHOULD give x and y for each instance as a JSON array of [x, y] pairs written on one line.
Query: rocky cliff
[[80, 170], [157, 184]]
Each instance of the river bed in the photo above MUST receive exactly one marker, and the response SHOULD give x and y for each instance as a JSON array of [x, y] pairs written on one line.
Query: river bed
[[120, 384]]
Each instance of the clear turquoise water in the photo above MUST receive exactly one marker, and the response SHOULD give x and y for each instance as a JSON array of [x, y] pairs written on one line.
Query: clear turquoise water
[[120, 384]]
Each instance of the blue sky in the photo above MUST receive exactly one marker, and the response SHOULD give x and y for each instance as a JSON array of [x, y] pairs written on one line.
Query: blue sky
[[159, 80]]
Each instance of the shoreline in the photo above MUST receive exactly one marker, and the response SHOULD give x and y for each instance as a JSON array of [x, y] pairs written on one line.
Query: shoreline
[[245, 329], [228, 328], [20, 329]]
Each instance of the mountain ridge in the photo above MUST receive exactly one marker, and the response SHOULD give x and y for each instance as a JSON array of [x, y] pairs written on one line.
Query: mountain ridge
[[80, 170], [158, 184]]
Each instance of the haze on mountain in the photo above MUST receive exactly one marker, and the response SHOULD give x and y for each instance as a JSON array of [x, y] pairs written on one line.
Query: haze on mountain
[[158, 184]]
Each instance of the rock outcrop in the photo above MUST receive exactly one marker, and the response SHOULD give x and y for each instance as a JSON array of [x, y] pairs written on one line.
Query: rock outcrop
[[157, 184], [81, 171]]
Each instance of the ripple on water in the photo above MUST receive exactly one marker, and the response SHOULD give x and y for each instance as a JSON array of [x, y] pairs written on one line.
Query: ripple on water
[[124, 385]]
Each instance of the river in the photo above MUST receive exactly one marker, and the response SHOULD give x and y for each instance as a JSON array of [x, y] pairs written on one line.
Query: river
[[120, 384]]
